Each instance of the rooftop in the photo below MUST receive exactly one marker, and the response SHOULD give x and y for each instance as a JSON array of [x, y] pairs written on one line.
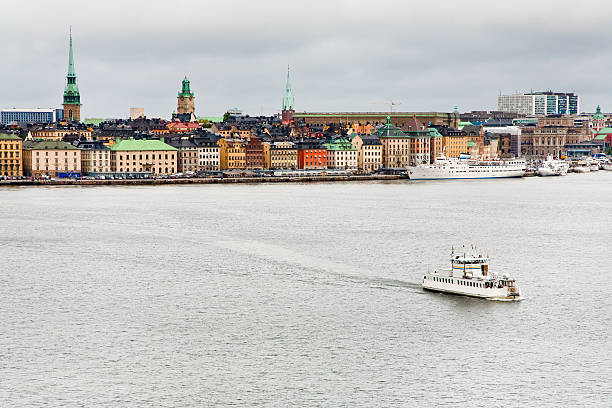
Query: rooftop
[[141, 145], [8, 136]]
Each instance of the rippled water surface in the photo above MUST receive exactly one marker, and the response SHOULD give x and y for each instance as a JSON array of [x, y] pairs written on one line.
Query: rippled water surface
[[304, 295]]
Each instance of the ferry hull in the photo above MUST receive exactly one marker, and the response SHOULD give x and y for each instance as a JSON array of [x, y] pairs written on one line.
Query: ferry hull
[[494, 295], [416, 173]]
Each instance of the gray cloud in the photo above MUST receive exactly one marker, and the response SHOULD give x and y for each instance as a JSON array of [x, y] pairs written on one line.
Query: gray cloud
[[345, 55]]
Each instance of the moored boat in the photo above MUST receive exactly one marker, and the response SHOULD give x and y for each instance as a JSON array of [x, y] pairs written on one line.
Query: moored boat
[[457, 168], [469, 275], [553, 167]]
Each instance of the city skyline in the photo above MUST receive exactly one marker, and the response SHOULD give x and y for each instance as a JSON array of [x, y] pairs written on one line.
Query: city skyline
[[334, 67]]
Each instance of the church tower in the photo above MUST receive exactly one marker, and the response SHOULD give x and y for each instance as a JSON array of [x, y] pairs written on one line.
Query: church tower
[[185, 99], [288, 103], [72, 97], [598, 120]]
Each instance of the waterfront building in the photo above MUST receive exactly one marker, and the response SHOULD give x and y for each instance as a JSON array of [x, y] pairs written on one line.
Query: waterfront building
[[395, 145], [550, 136], [510, 138], [11, 164], [369, 152], [26, 116], [58, 131], [185, 99], [288, 108], [540, 103], [50, 158], [454, 141], [397, 118], [311, 155], [141, 155], [341, 154], [280, 155], [420, 142], [95, 156], [435, 144], [187, 156], [254, 153], [72, 97], [208, 152], [232, 154]]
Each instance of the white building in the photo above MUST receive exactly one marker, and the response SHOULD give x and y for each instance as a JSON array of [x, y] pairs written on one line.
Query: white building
[[540, 103], [208, 153], [341, 154]]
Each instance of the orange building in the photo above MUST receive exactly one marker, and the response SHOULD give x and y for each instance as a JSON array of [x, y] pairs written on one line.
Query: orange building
[[311, 155]]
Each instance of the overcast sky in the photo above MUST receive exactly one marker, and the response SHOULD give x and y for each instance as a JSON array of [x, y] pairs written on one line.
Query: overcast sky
[[344, 55]]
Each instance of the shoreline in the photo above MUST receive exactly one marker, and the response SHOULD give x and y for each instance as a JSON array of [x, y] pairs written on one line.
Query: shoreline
[[211, 180]]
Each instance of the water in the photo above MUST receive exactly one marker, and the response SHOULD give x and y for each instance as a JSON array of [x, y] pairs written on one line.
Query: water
[[303, 295]]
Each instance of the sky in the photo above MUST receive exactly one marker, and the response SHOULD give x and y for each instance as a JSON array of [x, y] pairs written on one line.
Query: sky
[[345, 55]]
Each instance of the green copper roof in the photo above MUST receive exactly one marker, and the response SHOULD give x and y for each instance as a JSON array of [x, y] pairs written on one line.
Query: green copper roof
[[185, 91], [71, 92], [605, 130], [600, 137], [7, 136], [389, 130], [340, 144], [288, 101], [598, 114], [47, 145], [140, 145], [433, 132]]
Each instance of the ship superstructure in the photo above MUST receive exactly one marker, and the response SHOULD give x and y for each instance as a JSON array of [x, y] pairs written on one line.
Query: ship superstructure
[[469, 275]]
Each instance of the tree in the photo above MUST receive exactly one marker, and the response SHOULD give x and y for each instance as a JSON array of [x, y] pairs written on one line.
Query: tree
[[226, 116]]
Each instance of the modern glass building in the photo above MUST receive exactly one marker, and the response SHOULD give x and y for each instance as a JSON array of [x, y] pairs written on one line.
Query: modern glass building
[[540, 103], [27, 116]]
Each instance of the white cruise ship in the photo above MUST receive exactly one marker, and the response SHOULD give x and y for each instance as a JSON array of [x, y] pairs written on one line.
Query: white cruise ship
[[451, 168], [469, 276]]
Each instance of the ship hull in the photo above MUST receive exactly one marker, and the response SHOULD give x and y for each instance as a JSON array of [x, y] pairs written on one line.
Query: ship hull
[[500, 294], [416, 173]]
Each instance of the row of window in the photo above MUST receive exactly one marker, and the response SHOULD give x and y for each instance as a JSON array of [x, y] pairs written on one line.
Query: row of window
[[458, 281], [127, 156]]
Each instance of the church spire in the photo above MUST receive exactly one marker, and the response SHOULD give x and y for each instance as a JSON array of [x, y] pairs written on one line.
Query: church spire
[[71, 58], [288, 99], [72, 97]]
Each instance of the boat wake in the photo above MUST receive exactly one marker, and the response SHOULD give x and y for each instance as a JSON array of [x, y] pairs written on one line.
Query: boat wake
[[322, 269]]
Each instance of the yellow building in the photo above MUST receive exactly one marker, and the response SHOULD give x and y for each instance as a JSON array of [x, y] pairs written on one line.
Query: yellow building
[[369, 150], [280, 155], [48, 158], [232, 154], [11, 164], [455, 144]]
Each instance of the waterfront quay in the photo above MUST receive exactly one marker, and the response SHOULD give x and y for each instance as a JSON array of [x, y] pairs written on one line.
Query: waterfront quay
[[201, 180]]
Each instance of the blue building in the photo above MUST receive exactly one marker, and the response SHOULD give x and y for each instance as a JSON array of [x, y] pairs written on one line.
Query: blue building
[[27, 116]]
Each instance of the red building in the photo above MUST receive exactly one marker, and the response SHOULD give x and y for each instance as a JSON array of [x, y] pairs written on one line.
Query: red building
[[311, 155], [254, 153]]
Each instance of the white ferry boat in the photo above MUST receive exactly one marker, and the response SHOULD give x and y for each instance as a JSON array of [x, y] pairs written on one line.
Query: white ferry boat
[[451, 168], [469, 276], [552, 167]]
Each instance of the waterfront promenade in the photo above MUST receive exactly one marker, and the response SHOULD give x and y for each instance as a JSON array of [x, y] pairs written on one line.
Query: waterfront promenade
[[194, 180]]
